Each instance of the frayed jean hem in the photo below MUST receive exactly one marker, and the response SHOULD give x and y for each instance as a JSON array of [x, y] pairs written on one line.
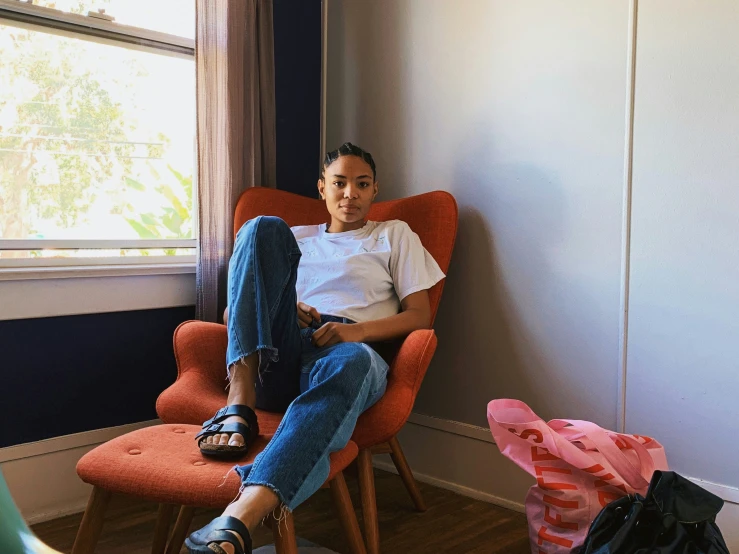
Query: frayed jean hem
[[271, 487], [272, 355]]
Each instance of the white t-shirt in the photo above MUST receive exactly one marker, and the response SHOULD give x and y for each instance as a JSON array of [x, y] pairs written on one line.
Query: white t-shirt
[[362, 274]]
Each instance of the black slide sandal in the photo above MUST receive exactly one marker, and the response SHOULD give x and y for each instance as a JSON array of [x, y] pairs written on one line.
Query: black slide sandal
[[217, 531], [213, 426]]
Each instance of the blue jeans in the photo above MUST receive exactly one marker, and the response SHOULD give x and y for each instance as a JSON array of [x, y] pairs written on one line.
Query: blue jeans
[[322, 390]]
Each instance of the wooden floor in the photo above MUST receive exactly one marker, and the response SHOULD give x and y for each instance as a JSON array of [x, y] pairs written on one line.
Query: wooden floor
[[453, 524]]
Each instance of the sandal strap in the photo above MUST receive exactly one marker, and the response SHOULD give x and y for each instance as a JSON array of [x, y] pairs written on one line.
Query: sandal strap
[[217, 428], [241, 410]]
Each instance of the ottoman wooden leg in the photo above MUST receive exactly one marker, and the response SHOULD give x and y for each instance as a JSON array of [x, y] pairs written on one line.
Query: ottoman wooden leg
[[179, 533], [161, 531], [92, 522], [283, 531], [345, 510]]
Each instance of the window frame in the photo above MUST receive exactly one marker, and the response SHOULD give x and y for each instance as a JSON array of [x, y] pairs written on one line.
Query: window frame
[[15, 10], [84, 27]]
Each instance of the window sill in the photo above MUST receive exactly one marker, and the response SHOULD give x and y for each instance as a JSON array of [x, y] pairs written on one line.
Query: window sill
[[53, 291], [85, 271]]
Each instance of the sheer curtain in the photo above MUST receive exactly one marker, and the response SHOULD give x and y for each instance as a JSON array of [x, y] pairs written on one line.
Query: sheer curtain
[[234, 57]]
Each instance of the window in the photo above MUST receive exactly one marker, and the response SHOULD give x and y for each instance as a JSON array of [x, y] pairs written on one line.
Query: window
[[97, 132]]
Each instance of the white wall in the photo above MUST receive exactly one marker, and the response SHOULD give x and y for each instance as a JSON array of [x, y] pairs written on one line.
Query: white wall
[[683, 355], [520, 109], [502, 104]]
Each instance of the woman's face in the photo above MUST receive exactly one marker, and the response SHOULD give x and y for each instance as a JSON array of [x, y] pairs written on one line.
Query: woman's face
[[348, 189]]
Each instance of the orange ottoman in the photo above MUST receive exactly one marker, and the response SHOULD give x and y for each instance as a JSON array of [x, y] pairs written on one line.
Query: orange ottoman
[[163, 464]]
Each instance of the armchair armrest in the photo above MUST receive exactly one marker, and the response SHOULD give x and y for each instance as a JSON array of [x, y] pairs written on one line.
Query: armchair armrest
[[200, 388], [385, 419]]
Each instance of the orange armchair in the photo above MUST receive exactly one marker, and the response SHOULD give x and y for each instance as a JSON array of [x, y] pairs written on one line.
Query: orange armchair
[[200, 348]]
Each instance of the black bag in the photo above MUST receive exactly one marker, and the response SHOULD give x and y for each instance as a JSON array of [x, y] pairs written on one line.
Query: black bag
[[676, 517]]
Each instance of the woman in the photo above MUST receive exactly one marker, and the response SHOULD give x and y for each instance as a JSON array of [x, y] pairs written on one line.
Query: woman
[[355, 283]]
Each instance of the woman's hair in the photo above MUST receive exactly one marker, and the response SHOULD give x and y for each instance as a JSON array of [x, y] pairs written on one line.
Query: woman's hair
[[349, 149]]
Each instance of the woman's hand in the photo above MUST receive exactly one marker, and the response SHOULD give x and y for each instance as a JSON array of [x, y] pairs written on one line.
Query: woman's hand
[[334, 333], [307, 315]]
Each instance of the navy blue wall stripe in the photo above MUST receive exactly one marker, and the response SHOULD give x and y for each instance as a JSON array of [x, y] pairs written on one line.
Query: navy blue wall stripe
[[63, 375], [297, 26]]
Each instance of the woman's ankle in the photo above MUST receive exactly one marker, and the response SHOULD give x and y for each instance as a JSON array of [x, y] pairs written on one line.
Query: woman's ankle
[[254, 504], [242, 382]]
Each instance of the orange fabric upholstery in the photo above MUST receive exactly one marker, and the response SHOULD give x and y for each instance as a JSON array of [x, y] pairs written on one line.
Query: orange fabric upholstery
[[200, 352], [200, 348], [385, 419], [163, 464]]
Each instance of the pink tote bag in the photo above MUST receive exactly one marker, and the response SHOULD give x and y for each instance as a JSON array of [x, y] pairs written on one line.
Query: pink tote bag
[[579, 468]]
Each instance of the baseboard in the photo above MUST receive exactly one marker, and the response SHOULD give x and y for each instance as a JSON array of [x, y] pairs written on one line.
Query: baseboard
[[455, 427], [75, 507], [41, 475], [455, 487], [726, 492]]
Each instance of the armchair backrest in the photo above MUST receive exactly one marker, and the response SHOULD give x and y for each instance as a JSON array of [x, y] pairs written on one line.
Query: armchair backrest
[[432, 216]]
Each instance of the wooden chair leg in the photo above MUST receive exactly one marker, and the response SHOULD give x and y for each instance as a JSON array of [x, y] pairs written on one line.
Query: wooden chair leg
[[92, 522], [283, 531], [345, 509], [161, 531], [406, 474], [181, 527], [369, 500]]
